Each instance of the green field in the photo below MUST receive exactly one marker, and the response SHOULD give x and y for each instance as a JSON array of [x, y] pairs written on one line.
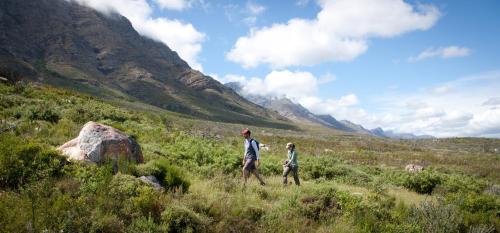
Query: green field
[[350, 183]]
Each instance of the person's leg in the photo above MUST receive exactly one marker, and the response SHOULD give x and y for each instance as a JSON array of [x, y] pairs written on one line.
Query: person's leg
[[295, 173], [256, 173], [246, 172], [286, 170]]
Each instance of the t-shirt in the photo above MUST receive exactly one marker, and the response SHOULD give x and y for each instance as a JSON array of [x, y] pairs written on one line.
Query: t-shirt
[[292, 157]]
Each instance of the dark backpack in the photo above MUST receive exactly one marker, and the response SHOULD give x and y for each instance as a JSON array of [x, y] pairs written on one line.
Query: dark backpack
[[251, 147]]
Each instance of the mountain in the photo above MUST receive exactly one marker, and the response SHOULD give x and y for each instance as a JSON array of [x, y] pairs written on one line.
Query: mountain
[[62, 43], [356, 127], [332, 122], [390, 134], [296, 112]]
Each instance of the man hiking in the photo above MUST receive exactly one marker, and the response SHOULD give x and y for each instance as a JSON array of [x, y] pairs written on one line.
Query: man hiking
[[250, 158]]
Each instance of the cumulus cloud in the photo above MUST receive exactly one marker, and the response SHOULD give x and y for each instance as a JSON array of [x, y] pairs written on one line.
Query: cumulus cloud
[[300, 87], [179, 36], [177, 5], [340, 32], [294, 85], [446, 52], [458, 111]]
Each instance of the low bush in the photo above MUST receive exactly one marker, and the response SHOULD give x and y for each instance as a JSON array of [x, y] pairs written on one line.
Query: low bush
[[43, 113], [422, 182], [320, 207], [22, 161], [437, 217], [181, 219], [170, 176], [107, 223]]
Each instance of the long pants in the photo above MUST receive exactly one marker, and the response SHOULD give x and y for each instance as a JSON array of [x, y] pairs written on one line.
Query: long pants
[[295, 173]]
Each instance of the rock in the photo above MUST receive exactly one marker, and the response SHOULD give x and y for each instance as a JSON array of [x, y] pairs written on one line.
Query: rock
[[98, 143], [151, 180], [264, 147], [414, 168]]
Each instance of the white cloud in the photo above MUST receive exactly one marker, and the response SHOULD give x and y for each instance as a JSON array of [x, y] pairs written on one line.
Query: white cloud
[[301, 87], [466, 107], [254, 8], [494, 101], [446, 52], [293, 85], [248, 14], [177, 5], [302, 3], [340, 32], [441, 89], [179, 36], [348, 100], [487, 122], [326, 78]]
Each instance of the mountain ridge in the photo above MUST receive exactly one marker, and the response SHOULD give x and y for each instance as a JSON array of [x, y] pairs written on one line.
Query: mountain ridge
[[68, 45], [297, 113]]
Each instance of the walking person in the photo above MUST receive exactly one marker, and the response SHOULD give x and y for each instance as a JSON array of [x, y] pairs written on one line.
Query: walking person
[[291, 165], [250, 157]]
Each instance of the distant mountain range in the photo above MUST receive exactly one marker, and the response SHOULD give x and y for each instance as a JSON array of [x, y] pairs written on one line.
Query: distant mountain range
[[62, 43], [297, 113]]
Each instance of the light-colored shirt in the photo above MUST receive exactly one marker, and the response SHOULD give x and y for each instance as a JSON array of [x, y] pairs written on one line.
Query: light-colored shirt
[[255, 148], [292, 158]]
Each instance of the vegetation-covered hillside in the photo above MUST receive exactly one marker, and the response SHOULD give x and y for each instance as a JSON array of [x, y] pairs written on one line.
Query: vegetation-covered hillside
[[349, 183]]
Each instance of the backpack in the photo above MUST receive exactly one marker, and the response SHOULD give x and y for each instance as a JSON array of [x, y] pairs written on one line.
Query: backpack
[[250, 148]]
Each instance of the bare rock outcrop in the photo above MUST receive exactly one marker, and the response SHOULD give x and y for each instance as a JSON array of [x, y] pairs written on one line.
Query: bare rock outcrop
[[414, 168], [98, 143]]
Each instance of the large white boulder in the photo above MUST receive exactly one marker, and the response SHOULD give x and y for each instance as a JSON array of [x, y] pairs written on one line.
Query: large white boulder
[[98, 143]]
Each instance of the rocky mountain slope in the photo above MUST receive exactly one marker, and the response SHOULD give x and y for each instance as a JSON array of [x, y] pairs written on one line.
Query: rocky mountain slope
[[296, 112], [391, 134], [61, 43]]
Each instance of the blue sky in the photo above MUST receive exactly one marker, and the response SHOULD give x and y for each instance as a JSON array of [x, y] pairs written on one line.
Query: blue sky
[[425, 67]]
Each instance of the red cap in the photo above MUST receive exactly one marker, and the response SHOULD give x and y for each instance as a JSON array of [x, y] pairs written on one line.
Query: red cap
[[245, 131]]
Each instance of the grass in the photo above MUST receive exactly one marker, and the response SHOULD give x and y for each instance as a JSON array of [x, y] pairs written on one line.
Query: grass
[[350, 183]]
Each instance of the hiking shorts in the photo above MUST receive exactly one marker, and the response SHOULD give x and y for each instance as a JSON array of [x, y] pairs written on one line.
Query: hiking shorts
[[249, 165]]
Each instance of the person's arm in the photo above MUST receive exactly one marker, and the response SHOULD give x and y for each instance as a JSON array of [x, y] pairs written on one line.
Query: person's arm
[[293, 157], [244, 152]]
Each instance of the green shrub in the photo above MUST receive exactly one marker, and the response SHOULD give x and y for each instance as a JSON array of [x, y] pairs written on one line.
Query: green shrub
[[484, 203], [123, 187], [107, 223], [170, 176], [460, 183], [422, 182], [145, 225], [91, 177], [181, 219], [148, 203], [437, 217], [22, 161], [320, 207], [43, 113]]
